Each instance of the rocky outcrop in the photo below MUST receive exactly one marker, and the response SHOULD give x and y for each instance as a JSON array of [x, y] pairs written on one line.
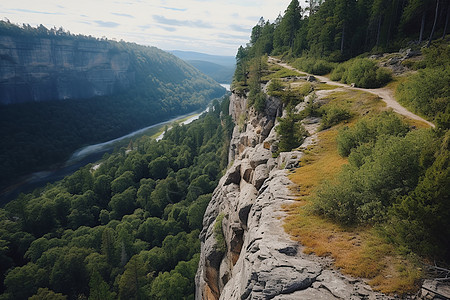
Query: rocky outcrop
[[40, 69], [260, 260]]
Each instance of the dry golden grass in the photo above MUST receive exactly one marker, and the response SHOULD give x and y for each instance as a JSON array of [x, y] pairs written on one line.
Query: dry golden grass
[[360, 251]]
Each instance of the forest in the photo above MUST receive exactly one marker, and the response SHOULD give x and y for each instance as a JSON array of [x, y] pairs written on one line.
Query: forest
[[42, 135], [126, 228]]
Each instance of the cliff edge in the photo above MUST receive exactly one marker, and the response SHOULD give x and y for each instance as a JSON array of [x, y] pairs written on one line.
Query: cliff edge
[[257, 259]]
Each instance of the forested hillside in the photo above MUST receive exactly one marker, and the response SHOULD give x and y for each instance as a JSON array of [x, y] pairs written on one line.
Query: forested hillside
[[126, 228], [387, 178], [36, 135]]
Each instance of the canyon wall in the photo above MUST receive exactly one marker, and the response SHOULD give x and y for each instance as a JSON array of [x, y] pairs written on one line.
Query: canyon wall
[[40, 69]]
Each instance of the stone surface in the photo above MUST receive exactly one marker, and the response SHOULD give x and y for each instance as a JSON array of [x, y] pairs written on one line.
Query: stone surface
[[261, 261], [260, 175], [41, 69]]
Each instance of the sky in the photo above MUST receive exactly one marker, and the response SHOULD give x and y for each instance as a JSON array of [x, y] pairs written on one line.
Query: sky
[[215, 27]]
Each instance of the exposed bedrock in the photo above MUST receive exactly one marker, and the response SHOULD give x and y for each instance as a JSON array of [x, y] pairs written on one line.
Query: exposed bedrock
[[260, 260], [41, 69]]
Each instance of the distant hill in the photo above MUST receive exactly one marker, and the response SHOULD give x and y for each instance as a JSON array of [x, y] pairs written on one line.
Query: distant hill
[[219, 68], [221, 74]]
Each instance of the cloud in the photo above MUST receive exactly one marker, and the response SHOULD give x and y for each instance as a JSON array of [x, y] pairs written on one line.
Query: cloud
[[233, 37], [123, 15], [106, 24], [166, 28], [173, 22], [174, 8], [36, 11], [145, 27], [239, 28]]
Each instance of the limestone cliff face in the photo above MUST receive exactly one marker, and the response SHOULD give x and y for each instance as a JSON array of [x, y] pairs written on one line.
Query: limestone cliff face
[[40, 69], [260, 260]]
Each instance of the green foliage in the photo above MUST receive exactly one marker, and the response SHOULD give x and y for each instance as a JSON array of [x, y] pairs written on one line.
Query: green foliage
[[46, 294], [291, 132], [370, 184], [428, 92], [332, 114], [313, 65], [367, 131], [112, 232], [362, 72], [221, 245], [421, 220]]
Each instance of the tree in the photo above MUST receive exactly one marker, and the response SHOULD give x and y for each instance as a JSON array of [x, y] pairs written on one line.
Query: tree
[[46, 294], [158, 168], [99, 289], [123, 203], [434, 23], [132, 281], [23, 282]]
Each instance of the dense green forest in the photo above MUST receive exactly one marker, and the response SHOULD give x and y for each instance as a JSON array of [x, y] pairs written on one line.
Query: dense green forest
[[127, 229], [39, 135], [398, 177]]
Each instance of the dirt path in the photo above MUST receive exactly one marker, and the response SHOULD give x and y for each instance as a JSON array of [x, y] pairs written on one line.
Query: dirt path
[[384, 93]]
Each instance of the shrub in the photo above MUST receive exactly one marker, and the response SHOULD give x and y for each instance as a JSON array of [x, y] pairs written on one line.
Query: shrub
[[312, 65], [291, 132], [275, 88], [426, 92], [390, 169], [368, 129], [332, 114], [221, 246], [362, 72]]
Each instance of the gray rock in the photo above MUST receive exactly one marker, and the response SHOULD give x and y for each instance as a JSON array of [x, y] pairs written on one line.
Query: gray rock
[[259, 156], [233, 175], [246, 170], [260, 174]]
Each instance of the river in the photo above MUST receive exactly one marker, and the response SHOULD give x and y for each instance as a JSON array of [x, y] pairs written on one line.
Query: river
[[82, 157]]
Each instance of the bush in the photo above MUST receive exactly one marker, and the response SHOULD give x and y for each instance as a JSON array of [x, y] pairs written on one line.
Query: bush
[[391, 168], [362, 72], [426, 92], [275, 88], [332, 114], [221, 246], [291, 132], [368, 129], [313, 66]]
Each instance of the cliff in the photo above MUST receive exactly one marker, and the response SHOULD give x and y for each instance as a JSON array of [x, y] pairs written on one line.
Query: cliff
[[259, 260], [40, 69]]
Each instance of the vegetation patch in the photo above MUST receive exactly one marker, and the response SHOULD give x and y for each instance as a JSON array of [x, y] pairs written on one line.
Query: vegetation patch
[[221, 245], [313, 65], [427, 92], [362, 72], [282, 73]]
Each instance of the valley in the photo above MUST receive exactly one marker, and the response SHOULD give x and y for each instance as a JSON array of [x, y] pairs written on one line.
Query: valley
[[323, 173]]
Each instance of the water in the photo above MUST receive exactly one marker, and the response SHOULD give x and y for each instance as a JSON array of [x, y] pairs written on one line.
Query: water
[[226, 86]]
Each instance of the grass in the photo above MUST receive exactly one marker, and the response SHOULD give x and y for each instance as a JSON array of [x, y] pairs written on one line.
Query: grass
[[357, 251], [282, 73], [325, 86]]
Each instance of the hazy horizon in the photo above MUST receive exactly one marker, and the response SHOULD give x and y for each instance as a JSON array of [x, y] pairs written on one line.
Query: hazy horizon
[[215, 27]]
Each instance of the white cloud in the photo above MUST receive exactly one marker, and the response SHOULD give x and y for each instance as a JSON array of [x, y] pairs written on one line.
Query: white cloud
[[209, 26]]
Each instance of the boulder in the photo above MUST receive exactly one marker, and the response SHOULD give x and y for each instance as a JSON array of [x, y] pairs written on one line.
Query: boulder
[[260, 174]]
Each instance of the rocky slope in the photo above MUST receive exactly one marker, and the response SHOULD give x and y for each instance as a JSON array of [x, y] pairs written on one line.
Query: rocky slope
[[260, 261], [39, 69]]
